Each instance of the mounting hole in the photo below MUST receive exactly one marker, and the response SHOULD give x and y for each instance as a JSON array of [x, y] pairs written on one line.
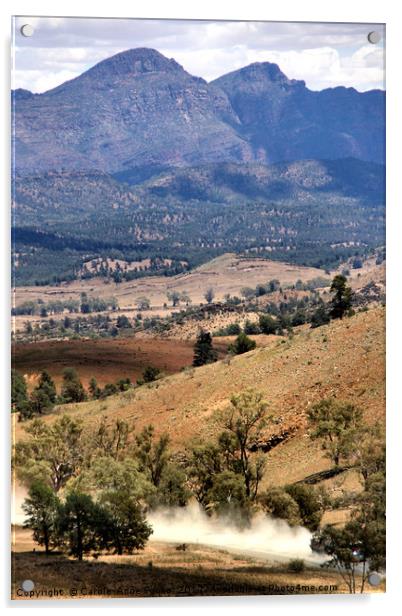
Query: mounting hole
[[374, 37], [27, 30], [374, 579], [28, 585]]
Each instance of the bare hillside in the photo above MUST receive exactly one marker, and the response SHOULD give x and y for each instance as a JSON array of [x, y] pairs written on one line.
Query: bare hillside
[[344, 359]]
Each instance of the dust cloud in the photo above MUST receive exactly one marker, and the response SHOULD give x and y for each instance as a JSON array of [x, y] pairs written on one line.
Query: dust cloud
[[17, 498], [266, 537]]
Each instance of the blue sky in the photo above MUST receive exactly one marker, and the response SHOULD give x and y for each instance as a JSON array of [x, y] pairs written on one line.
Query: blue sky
[[323, 54]]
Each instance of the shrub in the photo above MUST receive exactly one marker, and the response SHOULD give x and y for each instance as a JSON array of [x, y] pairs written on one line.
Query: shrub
[[268, 325], [299, 318], [150, 374], [296, 565], [242, 344], [280, 504], [109, 390], [320, 317], [309, 504], [72, 389], [233, 329], [123, 322], [248, 292], [251, 328]]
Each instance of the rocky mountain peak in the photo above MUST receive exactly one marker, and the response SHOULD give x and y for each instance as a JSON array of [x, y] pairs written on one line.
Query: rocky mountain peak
[[135, 61], [139, 108], [121, 68], [263, 73]]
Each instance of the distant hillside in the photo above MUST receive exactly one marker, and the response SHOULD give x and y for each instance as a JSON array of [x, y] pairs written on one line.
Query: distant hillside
[[139, 108], [308, 212], [225, 274], [345, 359], [57, 198], [137, 159], [299, 181]]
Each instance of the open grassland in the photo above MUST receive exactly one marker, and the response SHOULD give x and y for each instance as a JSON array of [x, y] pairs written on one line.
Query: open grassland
[[226, 274], [344, 359], [162, 570], [369, 272]]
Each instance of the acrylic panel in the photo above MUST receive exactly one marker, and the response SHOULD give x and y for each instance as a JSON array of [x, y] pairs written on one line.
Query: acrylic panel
[[198, 349]]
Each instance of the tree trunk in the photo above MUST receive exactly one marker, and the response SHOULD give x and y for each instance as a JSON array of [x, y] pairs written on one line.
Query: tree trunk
[[363, 576], [46, 540], [353, 579], [79, 539]]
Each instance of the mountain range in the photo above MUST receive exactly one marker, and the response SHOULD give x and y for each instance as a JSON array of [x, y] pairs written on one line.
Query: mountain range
[[141, 109], [138, 158]]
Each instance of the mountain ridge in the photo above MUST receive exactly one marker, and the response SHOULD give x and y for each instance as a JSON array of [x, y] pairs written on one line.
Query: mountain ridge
[[147, 53], [140, 108], [287, 120]]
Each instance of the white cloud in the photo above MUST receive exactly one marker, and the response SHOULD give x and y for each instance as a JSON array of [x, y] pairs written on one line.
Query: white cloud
[[43, 81], [324, 55], [320, 68]]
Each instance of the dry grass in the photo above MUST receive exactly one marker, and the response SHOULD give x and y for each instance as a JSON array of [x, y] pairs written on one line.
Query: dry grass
[[214, 322], [162, 571], [370, 272], [226, 274], [344, 359]]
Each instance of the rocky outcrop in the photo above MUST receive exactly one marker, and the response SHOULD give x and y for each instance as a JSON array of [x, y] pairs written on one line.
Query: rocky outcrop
[[283, 120], [139, 109]]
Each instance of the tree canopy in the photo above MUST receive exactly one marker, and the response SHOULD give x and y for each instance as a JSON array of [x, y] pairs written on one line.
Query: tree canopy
[[334, 423], [341, 301], [204, 353]]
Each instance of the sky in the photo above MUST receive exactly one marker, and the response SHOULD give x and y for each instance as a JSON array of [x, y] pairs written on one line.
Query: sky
[[322, 54]]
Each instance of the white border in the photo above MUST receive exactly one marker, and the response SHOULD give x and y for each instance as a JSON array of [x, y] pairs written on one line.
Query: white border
[[366, 11]]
